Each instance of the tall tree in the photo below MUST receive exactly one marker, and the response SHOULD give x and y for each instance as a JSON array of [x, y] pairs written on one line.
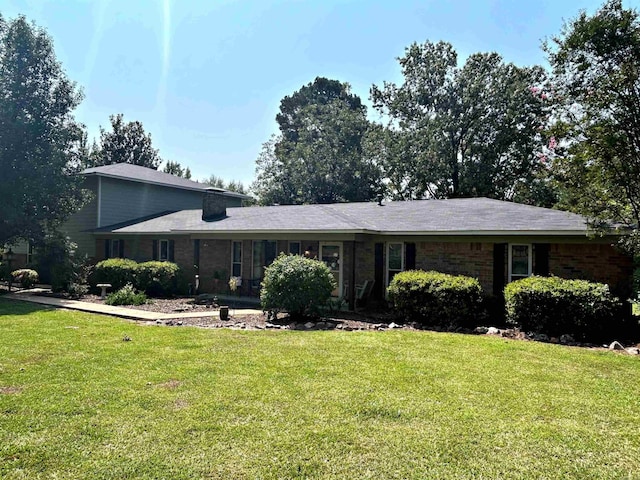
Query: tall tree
[[127, 142], [318, 157], [596, 79], [468, 131], [41, 145], [232, 185], [174, 168]]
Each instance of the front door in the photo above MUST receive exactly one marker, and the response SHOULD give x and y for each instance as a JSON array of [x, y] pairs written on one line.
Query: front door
[[331, 255]]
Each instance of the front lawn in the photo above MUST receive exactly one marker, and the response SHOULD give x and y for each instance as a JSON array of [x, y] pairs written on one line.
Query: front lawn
[[78, 401]]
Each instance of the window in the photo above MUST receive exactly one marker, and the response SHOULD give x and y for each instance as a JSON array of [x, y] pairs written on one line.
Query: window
[[163, 250], [114, 248], [30, 253], [331, 255], [295, 248], [519, 261], [264, 253], [236, 259], [395, 260]]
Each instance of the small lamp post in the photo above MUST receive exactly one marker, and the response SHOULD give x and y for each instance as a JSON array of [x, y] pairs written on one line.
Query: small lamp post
[[8, 256]]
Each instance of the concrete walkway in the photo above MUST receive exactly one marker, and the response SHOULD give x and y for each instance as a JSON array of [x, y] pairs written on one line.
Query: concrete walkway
[[122, 312]]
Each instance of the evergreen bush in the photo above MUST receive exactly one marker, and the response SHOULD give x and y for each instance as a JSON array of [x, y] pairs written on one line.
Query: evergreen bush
[[436, 299], [556, 306], [298, 285], [157, 279], [116, 271], [26, 277]]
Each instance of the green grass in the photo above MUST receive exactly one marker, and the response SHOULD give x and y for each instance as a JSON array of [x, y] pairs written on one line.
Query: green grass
[[76, 401]]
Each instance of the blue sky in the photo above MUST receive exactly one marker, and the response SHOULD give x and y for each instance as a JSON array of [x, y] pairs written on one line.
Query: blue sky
[[206, 77]]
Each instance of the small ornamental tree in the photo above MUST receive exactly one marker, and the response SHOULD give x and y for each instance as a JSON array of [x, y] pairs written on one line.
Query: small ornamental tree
[[296, 284]]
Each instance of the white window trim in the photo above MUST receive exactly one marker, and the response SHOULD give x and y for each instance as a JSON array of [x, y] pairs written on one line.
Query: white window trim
[[241, 257], [340, 263], [510, 259], [160, 259], [387, 257]]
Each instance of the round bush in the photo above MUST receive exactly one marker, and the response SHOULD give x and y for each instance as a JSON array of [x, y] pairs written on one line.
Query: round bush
[[26, 277], [298, 285], [434, 298]]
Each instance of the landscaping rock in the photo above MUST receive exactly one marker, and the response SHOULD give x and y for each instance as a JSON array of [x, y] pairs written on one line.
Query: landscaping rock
[[493, 331], [540, 337], [567, 339], [481, 330], [554, 340], [616, 346], [309, 326], [321, 326], [394, 325], [632, 350], [270, 325]]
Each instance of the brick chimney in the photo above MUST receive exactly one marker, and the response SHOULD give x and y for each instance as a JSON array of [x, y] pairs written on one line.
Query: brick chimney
[[214, 205]]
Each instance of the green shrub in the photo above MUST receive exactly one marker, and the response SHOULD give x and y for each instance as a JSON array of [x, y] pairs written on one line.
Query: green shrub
[[298, 285], [157, 279], [77, 290], [556, 306], [127, 295], [116, 271], [434, 298], [26, 277]]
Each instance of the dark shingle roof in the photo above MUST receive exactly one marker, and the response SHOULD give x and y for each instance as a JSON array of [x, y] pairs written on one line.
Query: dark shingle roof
[[136, 173], [427, 217]]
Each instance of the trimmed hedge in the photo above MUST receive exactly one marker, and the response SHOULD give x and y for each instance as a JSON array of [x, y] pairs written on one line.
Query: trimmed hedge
[[157, 279], [298, 285], [26, 277], [437, 299], [154, 278], [116, 271], [556, 306]]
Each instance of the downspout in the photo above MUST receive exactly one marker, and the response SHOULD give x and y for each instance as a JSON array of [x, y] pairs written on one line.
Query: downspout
[[352, 282], [99, 201]]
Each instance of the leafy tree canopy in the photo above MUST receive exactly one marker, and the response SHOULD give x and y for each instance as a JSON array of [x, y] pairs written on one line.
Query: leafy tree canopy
[[318, 156], [596, 80], [40, 142], [460, 131], [174, 168], [127, 142]]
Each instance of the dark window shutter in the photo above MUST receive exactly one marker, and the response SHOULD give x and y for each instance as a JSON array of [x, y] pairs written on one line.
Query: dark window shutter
[[107, 248], [196, 253], [410, 256], [154, 253], [171, 250], [541, 260], [378, 285], [499, 257], [121, 248]]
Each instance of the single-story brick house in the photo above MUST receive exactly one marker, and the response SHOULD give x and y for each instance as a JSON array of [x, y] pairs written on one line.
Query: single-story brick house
[[491, 240]]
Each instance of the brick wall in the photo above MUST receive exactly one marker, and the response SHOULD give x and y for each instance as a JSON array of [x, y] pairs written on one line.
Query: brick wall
[[597, 262]]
